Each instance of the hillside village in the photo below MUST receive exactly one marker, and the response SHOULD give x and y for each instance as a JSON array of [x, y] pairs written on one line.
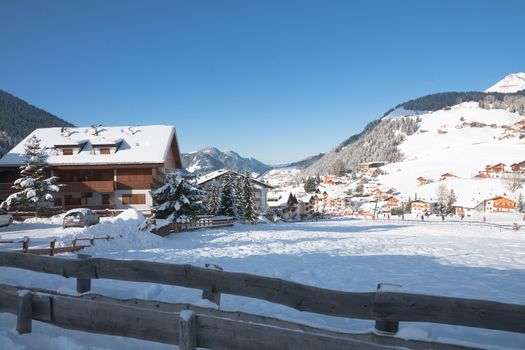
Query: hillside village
[[461, 161]]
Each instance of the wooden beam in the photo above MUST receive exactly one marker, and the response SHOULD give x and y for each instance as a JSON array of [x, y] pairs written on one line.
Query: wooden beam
[[24, 312], [83, 284], [188, 331]]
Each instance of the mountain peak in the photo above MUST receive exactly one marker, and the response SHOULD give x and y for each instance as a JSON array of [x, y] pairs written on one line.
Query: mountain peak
[[511, 83]]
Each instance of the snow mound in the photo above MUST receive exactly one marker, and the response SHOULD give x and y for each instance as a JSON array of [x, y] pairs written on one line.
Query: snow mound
[[124, 229], [511, 83], [54, 220]]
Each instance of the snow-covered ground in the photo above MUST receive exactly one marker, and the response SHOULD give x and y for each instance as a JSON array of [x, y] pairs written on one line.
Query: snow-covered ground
[[344, 254]]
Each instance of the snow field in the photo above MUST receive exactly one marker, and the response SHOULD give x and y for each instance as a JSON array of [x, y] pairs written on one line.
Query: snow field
[[350, 255]]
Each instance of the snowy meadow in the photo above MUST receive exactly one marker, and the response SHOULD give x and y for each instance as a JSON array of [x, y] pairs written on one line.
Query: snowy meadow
[[343, 254]]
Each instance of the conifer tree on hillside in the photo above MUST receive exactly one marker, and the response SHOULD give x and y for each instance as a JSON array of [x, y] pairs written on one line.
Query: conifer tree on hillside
[[310, 185], [250, 212], [521, 203], [228, 206], [178, 198], [441, 198], [34, 187], [214, 201]]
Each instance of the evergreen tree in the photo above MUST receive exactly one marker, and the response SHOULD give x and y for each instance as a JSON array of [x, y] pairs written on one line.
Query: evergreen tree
[[239, 200], [34, 187], [228, 206], [451, 199], [250, 212], [441, 198], [178, 198], [214, 201], [521, 203], [310, 185]]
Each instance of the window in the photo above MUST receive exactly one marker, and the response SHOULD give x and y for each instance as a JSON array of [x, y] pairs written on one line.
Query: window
[[105, 151], [67, 151], [133, 199]]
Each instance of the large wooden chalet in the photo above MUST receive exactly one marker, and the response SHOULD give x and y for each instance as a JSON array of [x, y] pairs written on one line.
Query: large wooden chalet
[[100, 167]]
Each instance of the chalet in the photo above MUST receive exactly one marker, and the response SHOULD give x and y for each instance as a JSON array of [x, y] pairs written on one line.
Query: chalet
[[392, 202], [482, 175], [287, 208], [468, 208], [331, 180], [100, 167], [500, 204], [216, 178], [518, 167], [422, 181], [447, 176], [369, 167], [495, 170], [420, 207]]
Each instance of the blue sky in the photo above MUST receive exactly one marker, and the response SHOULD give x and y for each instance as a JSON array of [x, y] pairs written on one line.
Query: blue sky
[[277, 80]]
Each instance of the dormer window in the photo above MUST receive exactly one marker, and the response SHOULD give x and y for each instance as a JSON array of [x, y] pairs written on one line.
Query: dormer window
[[67, 151], [105, 151]]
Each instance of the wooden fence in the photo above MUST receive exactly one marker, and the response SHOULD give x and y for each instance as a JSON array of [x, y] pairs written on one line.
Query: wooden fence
[[386, 308], [76, 245], [194, 224]]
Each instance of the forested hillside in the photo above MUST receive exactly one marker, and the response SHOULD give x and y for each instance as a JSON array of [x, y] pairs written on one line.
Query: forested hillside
[[18, 119]]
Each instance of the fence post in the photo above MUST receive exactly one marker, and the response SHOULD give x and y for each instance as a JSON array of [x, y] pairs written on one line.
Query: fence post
[[386, 327], [24, 312], [211, 293], [74, 245], [52, 247], [25, 244], [187, 330], [83, 284]]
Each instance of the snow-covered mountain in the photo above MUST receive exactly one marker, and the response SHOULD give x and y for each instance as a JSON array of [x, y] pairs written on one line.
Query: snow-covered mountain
[[511, 83], [461, 141], [210, 159]]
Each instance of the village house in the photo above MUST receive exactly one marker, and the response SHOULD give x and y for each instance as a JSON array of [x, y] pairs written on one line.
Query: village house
[[260, 189], [369, 167], [518, 167], [420, 207], [392, 203], [100, 167], [445, 176], [422, 181], [495, 170], [500, 204]]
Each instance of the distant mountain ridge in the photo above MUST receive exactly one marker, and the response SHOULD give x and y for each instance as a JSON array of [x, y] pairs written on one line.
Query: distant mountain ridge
[[210, 159], [18, 119]]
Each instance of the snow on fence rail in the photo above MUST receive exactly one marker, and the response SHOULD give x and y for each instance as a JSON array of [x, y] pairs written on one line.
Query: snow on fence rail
[[386, 308], [186, 325]]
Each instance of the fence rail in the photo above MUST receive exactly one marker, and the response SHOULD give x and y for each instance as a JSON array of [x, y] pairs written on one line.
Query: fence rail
[[187, 325], [386, 308], [53, 249]]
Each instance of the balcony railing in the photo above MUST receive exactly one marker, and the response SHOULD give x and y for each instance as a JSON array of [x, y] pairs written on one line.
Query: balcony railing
[[88, 186]]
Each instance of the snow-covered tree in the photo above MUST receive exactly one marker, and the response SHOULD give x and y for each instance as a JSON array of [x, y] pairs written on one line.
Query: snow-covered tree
[[214, 201], [451, 199], [228, 205], [34, 186], [250, 212], [441, 198], [178, 198], [239, 199], [521, 203], [310, 185], [513, 182]]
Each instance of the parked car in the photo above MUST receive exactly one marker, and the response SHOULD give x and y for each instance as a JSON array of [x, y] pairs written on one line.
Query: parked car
[[80, 217], [6, 219]]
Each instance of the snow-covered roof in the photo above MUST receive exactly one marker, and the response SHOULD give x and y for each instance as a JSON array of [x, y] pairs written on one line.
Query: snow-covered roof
[[214, 174], [141, 144]]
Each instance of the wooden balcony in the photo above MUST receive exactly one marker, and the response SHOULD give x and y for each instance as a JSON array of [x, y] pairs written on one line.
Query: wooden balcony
[[88, 186]]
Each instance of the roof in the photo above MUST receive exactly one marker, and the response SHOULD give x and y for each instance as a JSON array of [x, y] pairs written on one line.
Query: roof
[[501, 197], [217, 173], [138, 145]]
